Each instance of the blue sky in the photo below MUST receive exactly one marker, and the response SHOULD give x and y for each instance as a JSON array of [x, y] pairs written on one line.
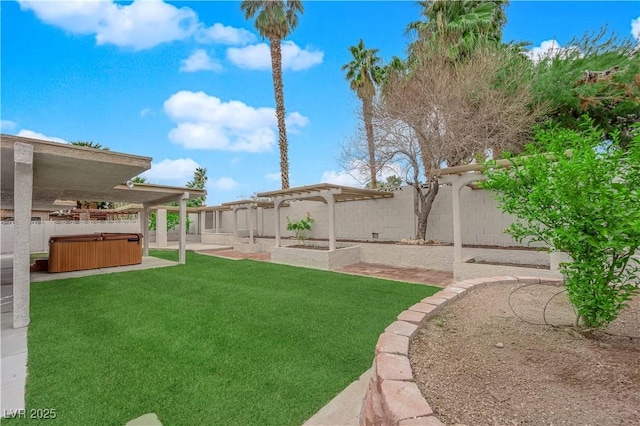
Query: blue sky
[[189, 83]]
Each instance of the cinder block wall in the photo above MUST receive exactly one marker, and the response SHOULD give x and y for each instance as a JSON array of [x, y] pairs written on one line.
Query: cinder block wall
[[393, 219]]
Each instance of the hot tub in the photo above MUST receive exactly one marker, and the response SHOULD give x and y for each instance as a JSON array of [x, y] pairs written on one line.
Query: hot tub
[[92, 251]]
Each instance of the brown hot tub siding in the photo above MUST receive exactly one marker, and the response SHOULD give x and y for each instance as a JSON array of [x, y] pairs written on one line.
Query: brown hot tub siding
[[79, 252]]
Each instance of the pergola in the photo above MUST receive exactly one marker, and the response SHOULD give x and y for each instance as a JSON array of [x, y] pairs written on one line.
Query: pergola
[[458, 177], [217, 216], [325, 193], [37, 174], [251, 206]]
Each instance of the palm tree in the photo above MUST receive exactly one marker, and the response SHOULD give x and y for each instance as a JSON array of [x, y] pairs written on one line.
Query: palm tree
[[90, 144], [364, 73], [198, 182], [139, 179], [461, 25], [275, 19]]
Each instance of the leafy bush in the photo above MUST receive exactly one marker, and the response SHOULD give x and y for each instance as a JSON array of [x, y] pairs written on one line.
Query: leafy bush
[[301, 227], [585, 203], [173, 220]]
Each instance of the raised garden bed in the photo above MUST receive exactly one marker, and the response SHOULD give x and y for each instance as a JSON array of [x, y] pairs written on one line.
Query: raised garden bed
[[316, 258]]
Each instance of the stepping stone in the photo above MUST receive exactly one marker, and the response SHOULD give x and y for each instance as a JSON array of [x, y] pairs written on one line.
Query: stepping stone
[[149, 419]]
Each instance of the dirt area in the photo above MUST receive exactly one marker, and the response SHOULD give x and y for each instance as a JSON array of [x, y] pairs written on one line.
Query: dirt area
[[477, 363], [518, 265]]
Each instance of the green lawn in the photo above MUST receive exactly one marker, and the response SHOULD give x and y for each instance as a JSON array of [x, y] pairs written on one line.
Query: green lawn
[[211, 342]]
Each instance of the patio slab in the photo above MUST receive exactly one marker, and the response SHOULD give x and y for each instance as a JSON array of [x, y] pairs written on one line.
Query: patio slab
[[14, 365], [148, 262]]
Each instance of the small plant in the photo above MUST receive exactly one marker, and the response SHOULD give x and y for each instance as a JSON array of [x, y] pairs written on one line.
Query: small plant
[[300, 228]]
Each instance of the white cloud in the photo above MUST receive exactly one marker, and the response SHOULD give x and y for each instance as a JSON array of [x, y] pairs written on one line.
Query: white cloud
[[140, 25], [295, 121], [549, 49], [222, 184], [200, 61], [222, 34], [6, 125], [180, 169], [635, 28], [145, 112], [339, 178], [273, 176], [206, 122], [26, 133], [358, 174], [258, 56]]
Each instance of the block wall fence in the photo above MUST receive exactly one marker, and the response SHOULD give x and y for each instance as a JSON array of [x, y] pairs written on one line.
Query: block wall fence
[[390, 219], [386, 219]]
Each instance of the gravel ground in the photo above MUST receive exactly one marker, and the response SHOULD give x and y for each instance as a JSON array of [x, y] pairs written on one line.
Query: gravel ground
[[478, 364]]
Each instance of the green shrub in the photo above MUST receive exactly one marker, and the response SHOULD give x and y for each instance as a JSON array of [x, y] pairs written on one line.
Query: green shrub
[[173, 220], [300, 228], [586, 204]]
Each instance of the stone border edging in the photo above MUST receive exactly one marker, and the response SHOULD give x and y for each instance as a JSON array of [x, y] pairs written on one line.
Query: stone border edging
[[392, 396]]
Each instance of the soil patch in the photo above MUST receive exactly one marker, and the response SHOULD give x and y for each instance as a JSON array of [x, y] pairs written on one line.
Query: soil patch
[[518, 265], [477, 363], [309, 247]]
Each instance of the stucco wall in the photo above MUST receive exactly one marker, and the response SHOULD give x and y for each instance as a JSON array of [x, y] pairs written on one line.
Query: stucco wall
[[392, 219]]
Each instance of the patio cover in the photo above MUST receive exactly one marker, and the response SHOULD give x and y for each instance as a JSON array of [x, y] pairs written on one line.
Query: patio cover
[[36, 174], [323, 192]]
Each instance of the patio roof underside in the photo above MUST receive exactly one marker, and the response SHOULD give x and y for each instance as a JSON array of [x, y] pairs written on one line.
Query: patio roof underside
[[68, 172], [316, 193]]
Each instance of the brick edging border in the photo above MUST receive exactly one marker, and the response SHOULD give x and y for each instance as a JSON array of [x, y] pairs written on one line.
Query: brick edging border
[[392, 396]]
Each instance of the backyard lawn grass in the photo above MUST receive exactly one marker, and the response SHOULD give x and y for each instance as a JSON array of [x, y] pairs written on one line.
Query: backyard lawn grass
[[214, 341]]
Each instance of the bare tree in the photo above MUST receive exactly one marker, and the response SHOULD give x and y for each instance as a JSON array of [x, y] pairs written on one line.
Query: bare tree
[[440, 112]]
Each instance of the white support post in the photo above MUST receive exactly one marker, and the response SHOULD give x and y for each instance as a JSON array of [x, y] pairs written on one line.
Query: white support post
[[331, 210], [217, 216], [235, 221], [260, 220], [203, 222], [22, 195], [182, 249], [251, 223], [457, 183], [144, 224], [161, 227], [457, 226], [276, 205]]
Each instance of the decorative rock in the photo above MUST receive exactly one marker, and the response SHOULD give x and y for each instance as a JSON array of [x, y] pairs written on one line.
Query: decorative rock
[[422, 421], [499, 345], [445, 294], [393, 367], [423, 307], [604, 345], [393, 344], [402, 328], [434, 300], [403, 400], [412, 317]]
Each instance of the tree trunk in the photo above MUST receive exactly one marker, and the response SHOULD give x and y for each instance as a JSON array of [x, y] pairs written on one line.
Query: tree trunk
[[278, 88], [367, 110], [422, 205]]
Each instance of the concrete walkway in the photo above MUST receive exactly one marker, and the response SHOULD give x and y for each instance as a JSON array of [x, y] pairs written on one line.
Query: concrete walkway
[[344, 409]]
